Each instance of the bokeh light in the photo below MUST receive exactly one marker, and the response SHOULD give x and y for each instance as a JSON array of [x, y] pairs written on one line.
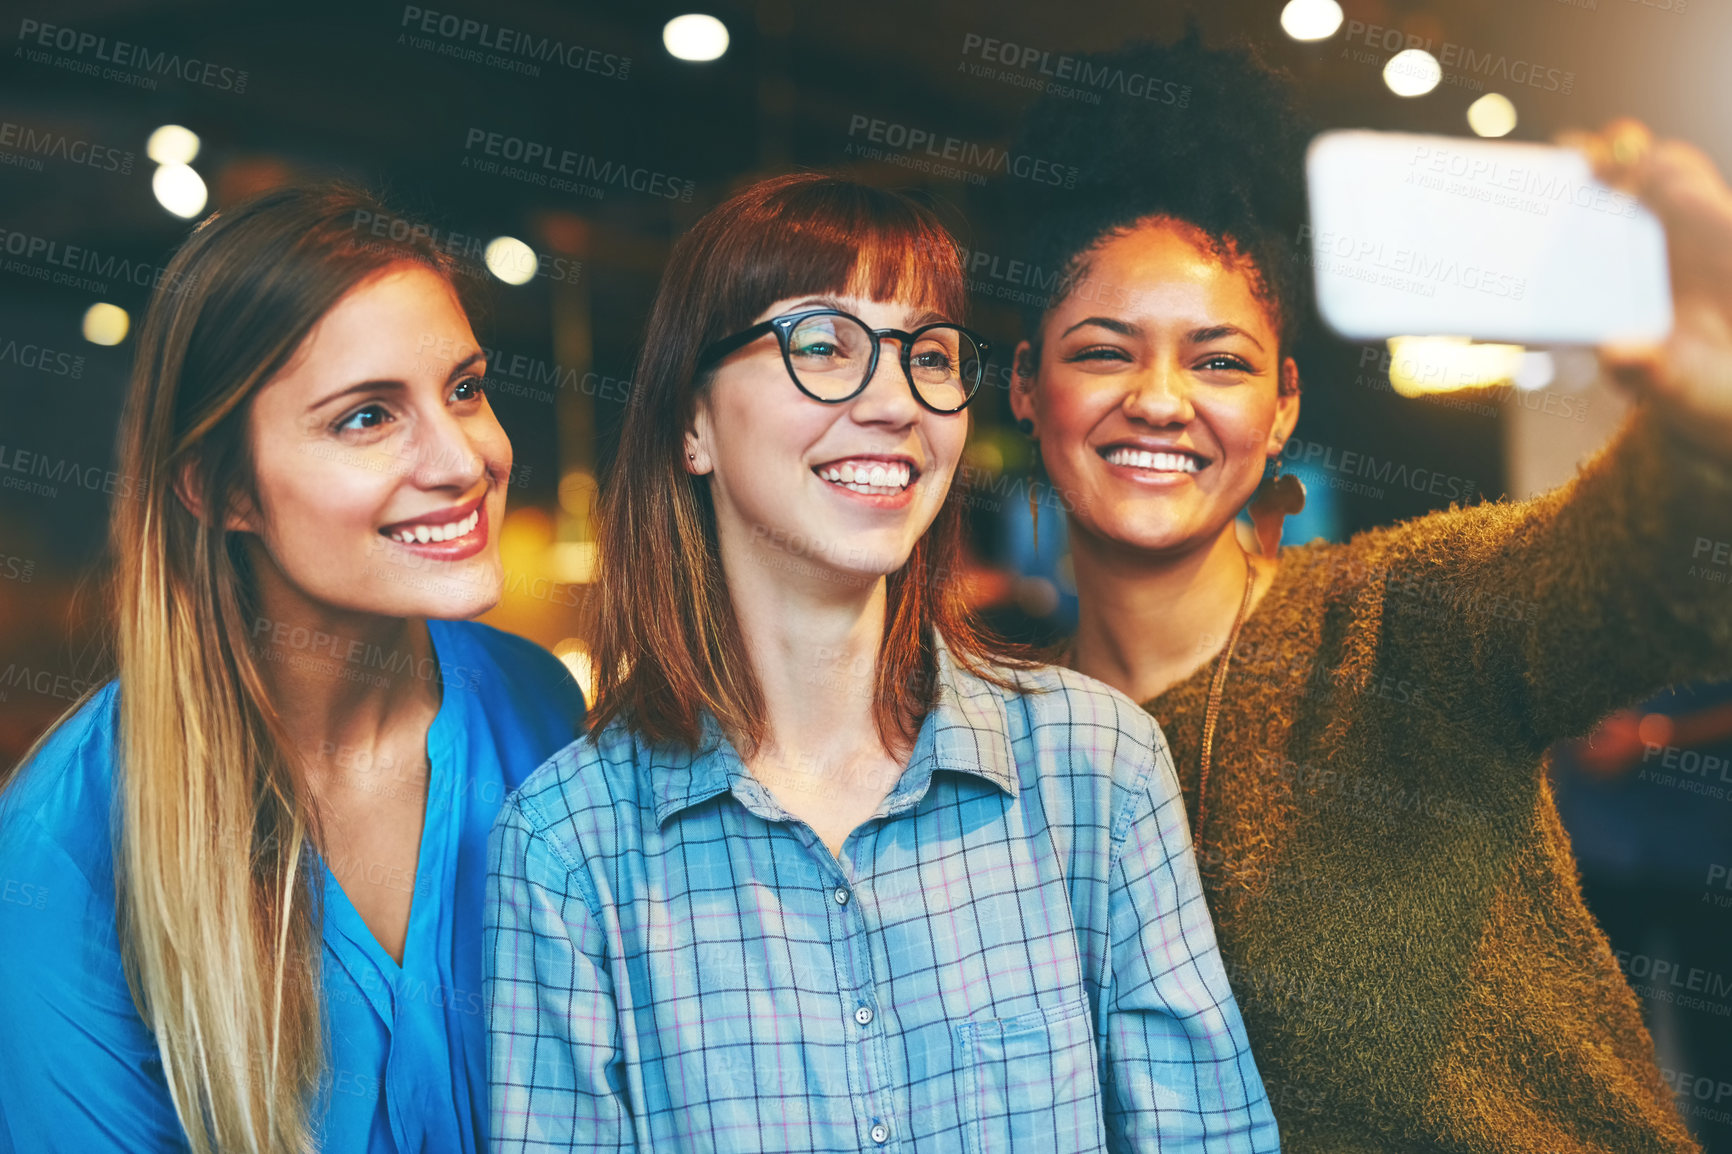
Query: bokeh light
[[179, 189], [1311, 19], [695, 37], [172, 144], [1421, 365], [510, 260], [1492, 115], [106, 324], [1412, 72]]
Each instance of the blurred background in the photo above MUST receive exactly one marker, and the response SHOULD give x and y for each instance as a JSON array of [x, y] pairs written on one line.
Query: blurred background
[[121, 124]]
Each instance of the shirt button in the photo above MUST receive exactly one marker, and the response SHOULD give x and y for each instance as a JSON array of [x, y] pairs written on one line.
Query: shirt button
[[841, 896], [880, 1133], [864, 1016]]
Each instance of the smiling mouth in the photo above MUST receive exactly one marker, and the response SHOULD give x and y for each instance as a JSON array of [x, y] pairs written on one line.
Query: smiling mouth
[[1154, 461], [873, 476], [423, 533]]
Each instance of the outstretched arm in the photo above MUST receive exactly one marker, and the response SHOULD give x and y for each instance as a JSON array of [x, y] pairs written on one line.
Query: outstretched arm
[[1538, 618]]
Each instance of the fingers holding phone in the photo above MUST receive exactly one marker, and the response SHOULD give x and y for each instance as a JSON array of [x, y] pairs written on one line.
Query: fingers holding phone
[[1687, 373]]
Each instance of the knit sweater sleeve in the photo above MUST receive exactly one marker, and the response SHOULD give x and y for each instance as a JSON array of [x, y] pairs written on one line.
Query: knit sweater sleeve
[[1539, 617]]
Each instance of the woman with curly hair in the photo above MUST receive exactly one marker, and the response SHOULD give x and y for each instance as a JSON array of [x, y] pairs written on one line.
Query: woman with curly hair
[[1394, 894]]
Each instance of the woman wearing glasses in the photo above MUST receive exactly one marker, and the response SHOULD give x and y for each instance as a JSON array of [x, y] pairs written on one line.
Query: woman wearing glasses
[[829, 874], [1360, 727]]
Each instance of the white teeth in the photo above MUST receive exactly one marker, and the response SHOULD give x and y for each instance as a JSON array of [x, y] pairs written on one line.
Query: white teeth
[[877, 478], [445, 531], [1160, 462]]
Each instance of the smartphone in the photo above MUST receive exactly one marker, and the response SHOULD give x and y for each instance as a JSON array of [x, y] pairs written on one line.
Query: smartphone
[[1415, 235]]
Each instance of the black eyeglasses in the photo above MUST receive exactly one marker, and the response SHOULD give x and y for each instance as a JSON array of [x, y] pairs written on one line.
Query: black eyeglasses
[[831, 355]]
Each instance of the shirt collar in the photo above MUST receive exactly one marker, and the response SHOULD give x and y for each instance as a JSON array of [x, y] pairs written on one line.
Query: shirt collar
[[964, 733]]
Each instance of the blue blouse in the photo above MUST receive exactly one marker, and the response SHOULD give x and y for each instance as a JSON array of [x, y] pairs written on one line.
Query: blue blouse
[[406, 1067]]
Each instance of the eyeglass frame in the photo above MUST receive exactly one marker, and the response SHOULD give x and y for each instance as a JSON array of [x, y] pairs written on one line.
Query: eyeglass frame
[[784, 325]]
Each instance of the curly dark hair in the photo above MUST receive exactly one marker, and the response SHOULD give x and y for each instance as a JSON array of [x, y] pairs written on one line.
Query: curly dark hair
[[1213, 141]]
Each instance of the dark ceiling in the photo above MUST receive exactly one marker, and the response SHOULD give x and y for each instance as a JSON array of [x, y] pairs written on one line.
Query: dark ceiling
[[359, 90]]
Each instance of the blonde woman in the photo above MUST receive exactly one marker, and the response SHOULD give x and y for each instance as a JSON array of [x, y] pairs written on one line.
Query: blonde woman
[[255, 856]]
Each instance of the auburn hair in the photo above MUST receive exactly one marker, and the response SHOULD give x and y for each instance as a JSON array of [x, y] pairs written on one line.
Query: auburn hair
[[665, 641]]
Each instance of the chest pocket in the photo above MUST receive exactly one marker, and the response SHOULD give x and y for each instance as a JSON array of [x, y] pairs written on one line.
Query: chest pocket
[[1034, 1080]]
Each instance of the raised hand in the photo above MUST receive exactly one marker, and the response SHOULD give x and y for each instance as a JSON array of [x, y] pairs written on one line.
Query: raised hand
[[1688, 376]]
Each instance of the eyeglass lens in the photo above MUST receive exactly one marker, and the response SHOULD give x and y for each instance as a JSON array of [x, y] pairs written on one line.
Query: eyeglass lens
[[831, 354]]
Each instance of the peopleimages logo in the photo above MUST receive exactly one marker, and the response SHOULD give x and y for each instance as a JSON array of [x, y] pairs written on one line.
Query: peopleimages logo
[[469, 249], [536, 162], [1465, 63], [521, 374], [30, 143], [1384, 471], [981, 158], [1404, 269], [1014, 281], [1050, 71], [1519, 186], [36, 34], [27, 355], [49, 260], [478, 42], [28, 464]]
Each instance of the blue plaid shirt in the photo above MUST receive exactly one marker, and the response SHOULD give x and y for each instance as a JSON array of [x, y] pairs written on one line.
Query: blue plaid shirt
[[1013, 953]]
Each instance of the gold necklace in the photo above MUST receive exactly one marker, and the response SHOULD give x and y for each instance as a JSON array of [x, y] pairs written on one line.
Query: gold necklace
[[1211, 711]]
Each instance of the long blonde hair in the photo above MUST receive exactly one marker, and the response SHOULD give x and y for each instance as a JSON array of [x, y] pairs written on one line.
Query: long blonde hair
[[214, 871]]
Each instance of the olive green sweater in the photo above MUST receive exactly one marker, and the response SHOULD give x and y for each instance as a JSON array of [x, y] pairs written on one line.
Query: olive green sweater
[[1394, 895]]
